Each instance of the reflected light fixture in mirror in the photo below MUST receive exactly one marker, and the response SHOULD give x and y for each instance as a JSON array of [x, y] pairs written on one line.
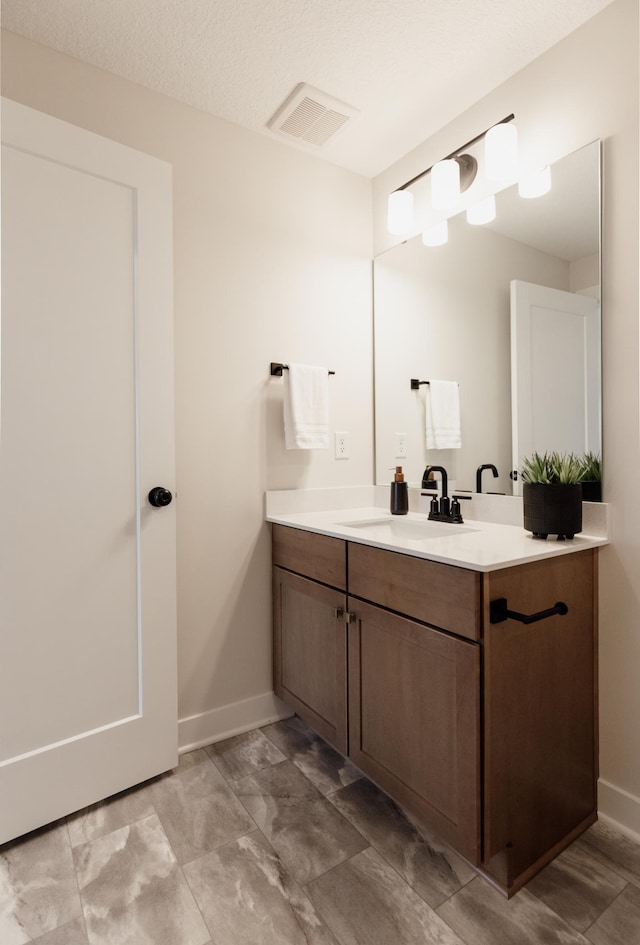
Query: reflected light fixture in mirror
[[400, 212], [501, 153], [535, 185], [482, 212], [436, 235]]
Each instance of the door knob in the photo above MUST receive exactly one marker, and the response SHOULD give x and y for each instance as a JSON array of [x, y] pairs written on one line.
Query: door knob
[[159, 497]]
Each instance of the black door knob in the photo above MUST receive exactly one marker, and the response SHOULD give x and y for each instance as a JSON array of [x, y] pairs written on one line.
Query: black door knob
[[159, 497]]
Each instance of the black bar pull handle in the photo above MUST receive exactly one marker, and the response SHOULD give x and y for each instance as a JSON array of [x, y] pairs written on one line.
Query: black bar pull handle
[[498, 612]]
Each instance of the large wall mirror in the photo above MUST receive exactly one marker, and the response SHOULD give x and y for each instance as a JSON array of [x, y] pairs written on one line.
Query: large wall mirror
[[511, 312]]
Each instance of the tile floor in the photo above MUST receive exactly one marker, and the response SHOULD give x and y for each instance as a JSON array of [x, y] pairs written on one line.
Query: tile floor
[[271, 838]]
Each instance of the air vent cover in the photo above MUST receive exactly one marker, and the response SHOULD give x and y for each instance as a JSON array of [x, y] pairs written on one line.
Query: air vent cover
[[311, 116]]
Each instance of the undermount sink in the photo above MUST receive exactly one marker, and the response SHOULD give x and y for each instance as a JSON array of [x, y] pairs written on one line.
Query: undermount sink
[[396, 527]]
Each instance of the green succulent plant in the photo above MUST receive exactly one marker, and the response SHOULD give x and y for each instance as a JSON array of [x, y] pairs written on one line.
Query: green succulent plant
[[550, 468], [591, 468]]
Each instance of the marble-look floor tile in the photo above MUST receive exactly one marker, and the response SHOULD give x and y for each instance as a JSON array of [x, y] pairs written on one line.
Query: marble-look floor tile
[[248, 898], [620, 923], [133, 891], [38, 890], [432, 868], [619, 851], [481, 915], [304, 828], [197, 808], [365, 902], [111, 814], [73, 933], [577, 885], [188, 759], [317, 760], [241, 755]]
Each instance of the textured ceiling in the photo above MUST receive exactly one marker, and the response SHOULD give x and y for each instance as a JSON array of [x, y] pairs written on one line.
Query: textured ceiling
[[408, 66]]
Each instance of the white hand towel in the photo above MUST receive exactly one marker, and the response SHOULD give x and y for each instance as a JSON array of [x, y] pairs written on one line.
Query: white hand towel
[[443, 416], [306, 407]]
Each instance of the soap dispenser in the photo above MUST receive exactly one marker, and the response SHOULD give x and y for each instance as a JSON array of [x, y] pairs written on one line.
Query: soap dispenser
[[399, 494]]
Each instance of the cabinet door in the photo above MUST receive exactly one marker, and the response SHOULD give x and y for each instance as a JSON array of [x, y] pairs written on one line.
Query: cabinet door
[[540, 716], [414, 720], [310, 653]]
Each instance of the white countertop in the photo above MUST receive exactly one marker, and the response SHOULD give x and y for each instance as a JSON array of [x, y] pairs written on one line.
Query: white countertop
[[477, 545]]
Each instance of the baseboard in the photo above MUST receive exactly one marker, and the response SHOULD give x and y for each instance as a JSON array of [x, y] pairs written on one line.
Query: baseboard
[[196, 731], [620, 808]]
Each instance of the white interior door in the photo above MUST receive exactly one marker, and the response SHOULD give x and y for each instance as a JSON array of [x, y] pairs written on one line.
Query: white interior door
[[87, 566], [555, 371]]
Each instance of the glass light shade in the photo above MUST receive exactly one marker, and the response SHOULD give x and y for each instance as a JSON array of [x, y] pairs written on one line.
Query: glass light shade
[[501, 152], [482, 212], [445, 184], [400, 212], [436, 235], [535, 185]]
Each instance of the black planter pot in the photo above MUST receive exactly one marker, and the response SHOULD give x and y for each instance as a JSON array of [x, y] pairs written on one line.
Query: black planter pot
[[591, 491], [552, 509]]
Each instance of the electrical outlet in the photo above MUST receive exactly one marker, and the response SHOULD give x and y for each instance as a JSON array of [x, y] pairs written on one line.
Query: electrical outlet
[[401, 445], [341, 445]]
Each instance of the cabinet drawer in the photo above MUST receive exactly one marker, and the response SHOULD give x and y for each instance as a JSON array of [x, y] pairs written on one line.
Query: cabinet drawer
[[437, 594], [316, 556]]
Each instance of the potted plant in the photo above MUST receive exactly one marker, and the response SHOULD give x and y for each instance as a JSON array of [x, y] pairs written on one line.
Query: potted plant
[[552, 494], [591, 477]]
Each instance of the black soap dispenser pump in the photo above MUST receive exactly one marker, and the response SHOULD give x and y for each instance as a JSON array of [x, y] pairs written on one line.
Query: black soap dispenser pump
[[399, 494]]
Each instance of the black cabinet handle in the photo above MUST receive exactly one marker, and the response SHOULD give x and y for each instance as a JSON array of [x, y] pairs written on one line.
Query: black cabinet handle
[[159, 497], [498, 612]]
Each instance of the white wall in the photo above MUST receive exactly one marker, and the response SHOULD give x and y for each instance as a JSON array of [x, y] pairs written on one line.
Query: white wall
[[272, 253], [584, 88]]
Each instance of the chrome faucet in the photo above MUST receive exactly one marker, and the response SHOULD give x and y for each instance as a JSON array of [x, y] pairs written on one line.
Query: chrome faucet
[[479, 472]]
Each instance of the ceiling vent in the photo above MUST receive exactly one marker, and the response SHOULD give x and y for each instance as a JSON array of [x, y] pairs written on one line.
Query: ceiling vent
[[311, 116]]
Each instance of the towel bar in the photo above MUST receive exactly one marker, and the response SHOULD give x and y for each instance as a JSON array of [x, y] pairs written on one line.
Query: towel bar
[[415, 383], [277, 369]]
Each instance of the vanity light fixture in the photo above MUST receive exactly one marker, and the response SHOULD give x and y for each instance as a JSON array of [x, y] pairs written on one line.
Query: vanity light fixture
[[535, 185], [400, 222], [436, 235], [501, 153], [482, 212], [445, 184], [400, 212]]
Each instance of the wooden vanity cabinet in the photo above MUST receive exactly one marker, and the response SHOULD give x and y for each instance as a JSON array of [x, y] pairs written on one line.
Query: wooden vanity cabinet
[[310, 633], [486, 732], [540, 715], [414, 690], [414, 721]]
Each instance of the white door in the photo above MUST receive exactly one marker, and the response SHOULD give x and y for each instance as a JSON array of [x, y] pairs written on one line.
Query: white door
[[87, 566], [555, 371]]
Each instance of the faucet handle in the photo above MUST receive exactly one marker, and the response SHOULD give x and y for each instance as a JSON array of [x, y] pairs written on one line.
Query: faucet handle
[[456, 514]]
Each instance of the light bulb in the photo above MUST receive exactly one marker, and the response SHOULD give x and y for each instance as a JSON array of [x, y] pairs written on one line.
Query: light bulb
[[400, 212], [445, 184], [501, 152], [482, 212], [436, 235], [535, 185]]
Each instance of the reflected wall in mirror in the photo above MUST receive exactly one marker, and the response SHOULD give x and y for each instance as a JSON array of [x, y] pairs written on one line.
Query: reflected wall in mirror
[[444, 313]]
